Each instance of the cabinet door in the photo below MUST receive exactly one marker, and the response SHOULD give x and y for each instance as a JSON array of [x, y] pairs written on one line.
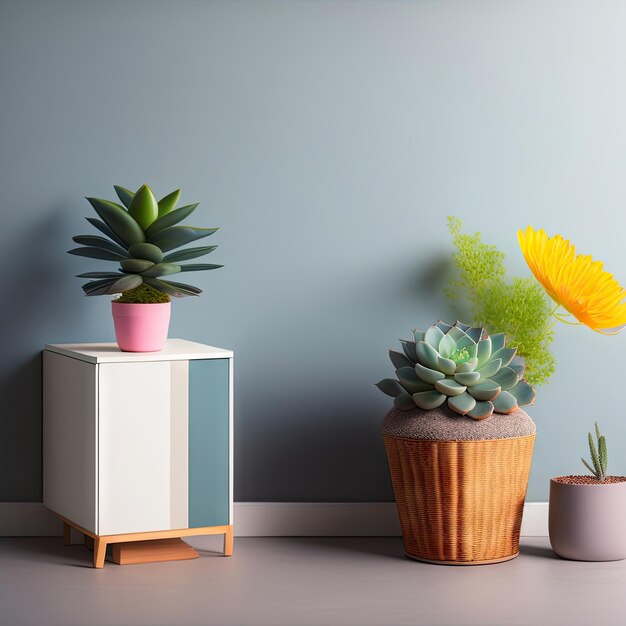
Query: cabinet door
[[209, 443], [164, 441], [139, 406]]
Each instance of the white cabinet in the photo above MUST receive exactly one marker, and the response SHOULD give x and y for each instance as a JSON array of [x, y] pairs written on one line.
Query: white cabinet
[[139, 445]]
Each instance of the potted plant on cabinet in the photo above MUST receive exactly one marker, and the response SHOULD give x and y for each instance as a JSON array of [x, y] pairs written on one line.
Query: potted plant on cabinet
[[458, 445], [587, 514], [142, 237]]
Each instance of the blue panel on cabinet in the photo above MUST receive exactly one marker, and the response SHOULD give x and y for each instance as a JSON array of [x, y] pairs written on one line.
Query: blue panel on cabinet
[[208, 442]]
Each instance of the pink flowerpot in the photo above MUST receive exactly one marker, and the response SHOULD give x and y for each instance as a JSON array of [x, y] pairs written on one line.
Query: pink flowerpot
[[141, 327]]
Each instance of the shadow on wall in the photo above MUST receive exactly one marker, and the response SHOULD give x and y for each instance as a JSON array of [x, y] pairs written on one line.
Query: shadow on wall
[[433, 279], [334, 455], [316, 431], [32, 292]]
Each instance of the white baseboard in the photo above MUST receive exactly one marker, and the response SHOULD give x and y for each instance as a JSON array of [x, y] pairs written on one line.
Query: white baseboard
[[535, 520], [273, 519]]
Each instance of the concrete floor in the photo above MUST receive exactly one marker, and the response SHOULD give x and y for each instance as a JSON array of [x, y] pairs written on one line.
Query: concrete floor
[[303, 581]]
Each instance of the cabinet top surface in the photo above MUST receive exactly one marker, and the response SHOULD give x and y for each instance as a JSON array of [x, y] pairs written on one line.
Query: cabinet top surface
[[174, 350]]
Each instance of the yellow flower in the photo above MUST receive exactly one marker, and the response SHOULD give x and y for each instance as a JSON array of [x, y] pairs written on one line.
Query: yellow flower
[[575, 282]]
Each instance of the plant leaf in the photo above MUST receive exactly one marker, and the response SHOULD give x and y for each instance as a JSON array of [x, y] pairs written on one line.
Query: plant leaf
[[409, 380], [136, 266], [98, 287], [449, 387], [589, 467], [481, 411], [446, 346], [93, 284], [427, 355], [602, 451], [146, 251], [433, 337], [105, 230], [397, 358], [467, 378], [447, 366], [99, 275], [188, 254], [177, 236], [467, 366], [191, 288], [505, 403], [125, 195], [594, 456], [99, 242], [144, 208], [524, 393], [169, 202], [118, 220], [428, 375], [490, 368], [506, 354], [178, 290], [506, 378], [484, 351], [97, 253], [518, 365], [170, 219], [428, 400], [485, 390], [130, 281], [462, 404], [390, 387], [198, 267], [162, 269], [404, 402], [409, 349], [498, 341]]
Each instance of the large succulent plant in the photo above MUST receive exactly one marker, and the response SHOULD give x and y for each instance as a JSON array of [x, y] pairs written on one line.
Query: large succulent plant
[[139, 234], [474, 373]]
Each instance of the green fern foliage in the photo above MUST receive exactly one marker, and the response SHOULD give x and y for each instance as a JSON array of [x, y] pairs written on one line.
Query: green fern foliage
[[518, 307]]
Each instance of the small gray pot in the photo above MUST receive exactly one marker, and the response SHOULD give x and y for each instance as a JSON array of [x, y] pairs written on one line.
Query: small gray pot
[[588, 522]]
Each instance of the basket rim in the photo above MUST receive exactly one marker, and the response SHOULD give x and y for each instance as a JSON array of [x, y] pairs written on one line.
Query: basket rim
[[476, 441]]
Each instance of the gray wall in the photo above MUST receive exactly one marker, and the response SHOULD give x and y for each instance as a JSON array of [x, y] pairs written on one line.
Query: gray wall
[[329, 140]]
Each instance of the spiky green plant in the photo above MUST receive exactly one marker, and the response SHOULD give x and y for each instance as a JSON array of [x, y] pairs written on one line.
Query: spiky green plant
[[141, 236], [518, 308], [476, 374], [599, 456]]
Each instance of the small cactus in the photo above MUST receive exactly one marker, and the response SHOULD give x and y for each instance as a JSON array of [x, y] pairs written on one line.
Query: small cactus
[[599, 456], [474, 373]]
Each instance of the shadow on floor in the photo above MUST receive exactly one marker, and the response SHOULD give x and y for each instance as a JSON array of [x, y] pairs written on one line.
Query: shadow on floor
[[390, 547], [49, 549], [540, 551]]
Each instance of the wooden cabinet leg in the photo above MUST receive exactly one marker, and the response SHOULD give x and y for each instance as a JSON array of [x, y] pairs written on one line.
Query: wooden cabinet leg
[[67, 534], [99, 552], [229, 540]]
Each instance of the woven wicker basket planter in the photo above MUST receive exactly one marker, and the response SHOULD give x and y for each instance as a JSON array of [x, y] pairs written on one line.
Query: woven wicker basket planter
[[459, 484]]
